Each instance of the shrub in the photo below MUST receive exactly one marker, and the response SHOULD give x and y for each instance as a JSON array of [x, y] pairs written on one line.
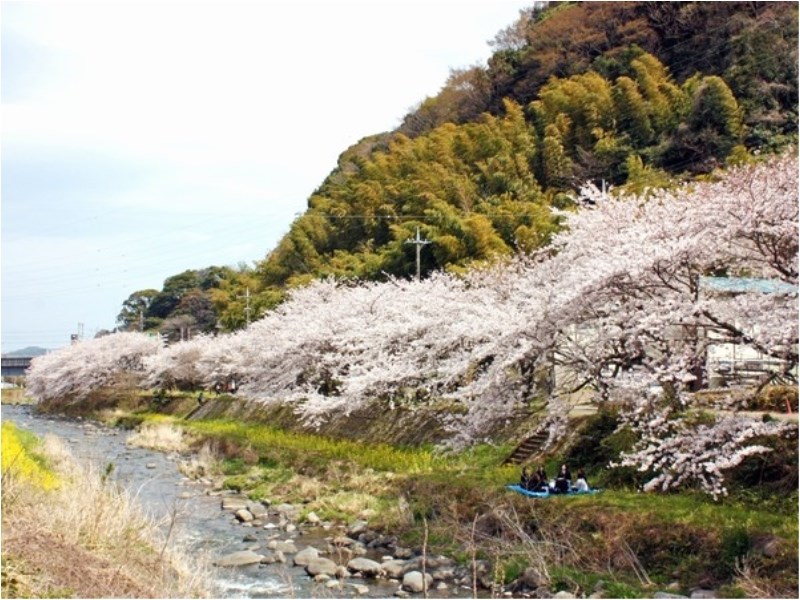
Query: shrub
[[21, 459]]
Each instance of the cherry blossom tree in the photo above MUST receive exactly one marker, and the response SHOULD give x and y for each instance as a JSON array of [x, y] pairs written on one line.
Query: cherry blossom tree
[[178, 365], [618, 305], [73, 372]]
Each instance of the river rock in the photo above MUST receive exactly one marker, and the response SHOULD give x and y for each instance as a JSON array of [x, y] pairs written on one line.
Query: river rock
[[667, 595], [342, 572], [322, 578], [287, 510], [239, 559], [394, 568], [441, 586], [321, 565], [282, 546], [234, 503], [244, 515], [444, 573], [258, 510], [403, 552], [334, 584], [358, 549], [361, 590], [367, 567], [357, 528], [701, 593], [280, 556], [413, 581], [564, 595], [290, 528], [768, 545], [305, 556], [401, 593], [532, 579], [341, 540], [313, 519]]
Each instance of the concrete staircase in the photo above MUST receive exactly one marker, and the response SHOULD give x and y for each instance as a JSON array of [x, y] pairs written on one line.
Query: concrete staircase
[[527, 448]]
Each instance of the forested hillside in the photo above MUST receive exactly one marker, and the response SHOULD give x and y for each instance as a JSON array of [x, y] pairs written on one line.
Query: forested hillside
[[634, 95]]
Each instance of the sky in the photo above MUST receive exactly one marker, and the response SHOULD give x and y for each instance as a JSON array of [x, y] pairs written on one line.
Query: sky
[[141, 139]]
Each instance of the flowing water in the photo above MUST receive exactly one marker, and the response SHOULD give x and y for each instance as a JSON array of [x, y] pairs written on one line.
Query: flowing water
[[193, 518]]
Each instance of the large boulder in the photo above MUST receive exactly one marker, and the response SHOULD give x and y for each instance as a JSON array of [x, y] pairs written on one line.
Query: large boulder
[[258, 510], [356, 528], [321, 565], [394, 568], [365, 566], [413, 581], [305, 556], [239, 559]]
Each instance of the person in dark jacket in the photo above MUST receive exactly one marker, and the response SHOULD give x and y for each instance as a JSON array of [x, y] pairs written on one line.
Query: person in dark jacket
[[525, 478], [563, 480]]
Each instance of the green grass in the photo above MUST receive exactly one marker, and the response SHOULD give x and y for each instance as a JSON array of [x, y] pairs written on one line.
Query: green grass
[[678, 536], [269, 441], [695, 509], [477, 468]]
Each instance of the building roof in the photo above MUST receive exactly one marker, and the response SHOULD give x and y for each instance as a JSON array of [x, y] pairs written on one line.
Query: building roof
[[735, 285]]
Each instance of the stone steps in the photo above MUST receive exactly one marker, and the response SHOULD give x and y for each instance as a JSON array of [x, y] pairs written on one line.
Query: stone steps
[[527, 448]]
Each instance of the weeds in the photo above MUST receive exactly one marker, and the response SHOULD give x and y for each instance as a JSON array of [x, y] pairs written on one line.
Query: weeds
[[161, 436], [86, 536]]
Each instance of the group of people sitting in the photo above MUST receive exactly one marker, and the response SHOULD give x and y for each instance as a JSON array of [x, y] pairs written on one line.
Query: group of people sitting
[[562, 484]]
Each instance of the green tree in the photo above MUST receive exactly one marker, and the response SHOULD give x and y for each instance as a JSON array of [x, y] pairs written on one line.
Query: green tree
[[132, 317]]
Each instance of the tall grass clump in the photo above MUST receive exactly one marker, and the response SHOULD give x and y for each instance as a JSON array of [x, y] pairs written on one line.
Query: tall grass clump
[[161, 436], [85, 536]]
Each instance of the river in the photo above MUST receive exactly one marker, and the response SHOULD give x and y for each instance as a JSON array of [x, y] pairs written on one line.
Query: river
[[197, 521]]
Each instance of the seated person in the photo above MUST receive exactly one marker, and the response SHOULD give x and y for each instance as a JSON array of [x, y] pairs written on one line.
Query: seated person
[[581, 485], [563, 480], [525, 478], [536, 484]]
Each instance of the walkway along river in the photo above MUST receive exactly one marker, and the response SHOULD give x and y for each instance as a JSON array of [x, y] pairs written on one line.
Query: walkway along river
[[195, 514]]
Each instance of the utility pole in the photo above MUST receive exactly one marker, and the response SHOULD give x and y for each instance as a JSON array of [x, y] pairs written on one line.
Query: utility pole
[[247, 305], [418, 242]]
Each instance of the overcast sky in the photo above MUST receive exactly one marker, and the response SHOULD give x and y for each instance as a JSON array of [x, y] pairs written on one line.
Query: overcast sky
[[142, 139]]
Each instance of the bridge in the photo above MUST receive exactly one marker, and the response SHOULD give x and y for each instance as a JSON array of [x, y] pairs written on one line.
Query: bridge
[[15, 366]]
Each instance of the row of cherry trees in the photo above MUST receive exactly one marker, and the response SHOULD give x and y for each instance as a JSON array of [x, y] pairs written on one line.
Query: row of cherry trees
[[619, 303]]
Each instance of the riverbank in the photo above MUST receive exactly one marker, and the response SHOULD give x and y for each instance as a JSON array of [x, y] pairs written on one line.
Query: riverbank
[[69, 532], [616, 544]]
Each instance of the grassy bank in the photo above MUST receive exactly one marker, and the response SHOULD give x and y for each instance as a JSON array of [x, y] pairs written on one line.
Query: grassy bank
[[68, 532], [637, 544], [629, 543]]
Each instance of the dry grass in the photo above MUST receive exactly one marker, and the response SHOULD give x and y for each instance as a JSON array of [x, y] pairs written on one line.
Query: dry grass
[[202, 463], [755, 585], [88, 538], [164, 437]]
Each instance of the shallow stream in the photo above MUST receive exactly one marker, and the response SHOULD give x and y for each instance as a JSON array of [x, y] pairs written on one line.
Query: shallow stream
[[196, 518]]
